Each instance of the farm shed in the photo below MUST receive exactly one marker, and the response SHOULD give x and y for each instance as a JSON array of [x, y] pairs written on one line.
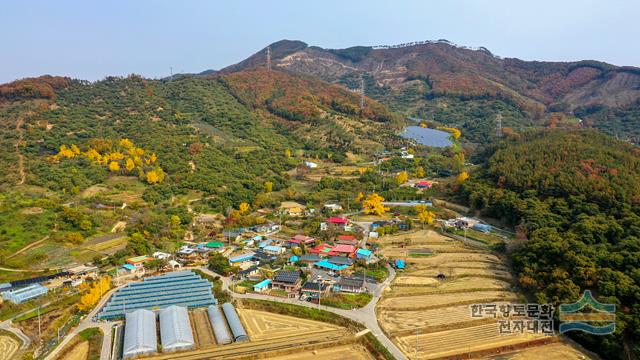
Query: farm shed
[[175, 329], [139, 334], [241, 258], [219, 325], [239, 334]]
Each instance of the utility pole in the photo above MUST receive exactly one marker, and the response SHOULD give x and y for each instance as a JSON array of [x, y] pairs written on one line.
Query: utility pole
[[499, 125], [269, 58], [171, 71], [39, 326]]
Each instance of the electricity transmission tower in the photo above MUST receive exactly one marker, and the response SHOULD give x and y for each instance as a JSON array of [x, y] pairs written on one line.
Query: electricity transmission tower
[[362, 92], [499, 125], [269, 58]]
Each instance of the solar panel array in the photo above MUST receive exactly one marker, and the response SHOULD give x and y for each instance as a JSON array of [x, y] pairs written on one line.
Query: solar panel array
[[182, 288], [289, 277]]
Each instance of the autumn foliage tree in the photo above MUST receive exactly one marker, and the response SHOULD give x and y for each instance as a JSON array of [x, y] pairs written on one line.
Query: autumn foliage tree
[[94, 293], [402, 177], [424, 215], [372, 205]]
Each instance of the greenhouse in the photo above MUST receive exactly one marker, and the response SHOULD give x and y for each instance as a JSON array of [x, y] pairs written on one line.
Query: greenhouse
[[181, 288], [25, 294], [239, 334], [175, 329], [219, 325], [139, 334]]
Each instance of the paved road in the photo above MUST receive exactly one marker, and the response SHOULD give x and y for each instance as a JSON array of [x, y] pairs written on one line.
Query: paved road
[[88, 322], [365, 315], [8, 326]]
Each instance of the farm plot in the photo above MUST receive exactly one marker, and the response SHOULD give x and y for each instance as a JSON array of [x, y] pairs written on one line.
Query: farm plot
[[8, 347], [460, 341], [202, 330], [483, 270], [456, 285], [344, 352], [554, 351], [263, 325], [432, 301], [450, 317], [459, 258]]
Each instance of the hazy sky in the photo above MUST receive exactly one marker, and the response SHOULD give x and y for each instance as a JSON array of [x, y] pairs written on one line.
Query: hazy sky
[[91, 39]]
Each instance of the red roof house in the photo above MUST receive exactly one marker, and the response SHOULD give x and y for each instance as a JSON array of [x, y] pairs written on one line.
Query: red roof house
[[343, 249], [424, 184], [322, 249], [301, 239], [338, 221], [347, 240]]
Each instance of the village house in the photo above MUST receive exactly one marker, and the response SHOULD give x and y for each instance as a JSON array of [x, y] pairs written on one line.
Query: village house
[[314, 290], [248, 273], [262, 285], [301, 239], [288, 281], [309, 258], [347, 240], [340, 260], [350, 285], [333, 207], [344, 250], [273, 250], [338, 222], [364, 254], [322, 250], [138, 261]]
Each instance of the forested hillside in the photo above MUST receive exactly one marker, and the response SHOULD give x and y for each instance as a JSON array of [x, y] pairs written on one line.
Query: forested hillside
[[222, 136], [468, 88], [575, 195]]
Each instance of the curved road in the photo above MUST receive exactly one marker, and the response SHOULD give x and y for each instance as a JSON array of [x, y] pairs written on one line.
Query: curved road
[[365, 315]]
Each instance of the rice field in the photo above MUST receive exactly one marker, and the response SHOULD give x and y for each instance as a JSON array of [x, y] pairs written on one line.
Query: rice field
[[427, 310]]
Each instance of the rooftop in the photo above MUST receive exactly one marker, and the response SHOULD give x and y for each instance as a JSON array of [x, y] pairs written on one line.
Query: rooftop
[[290, 277]]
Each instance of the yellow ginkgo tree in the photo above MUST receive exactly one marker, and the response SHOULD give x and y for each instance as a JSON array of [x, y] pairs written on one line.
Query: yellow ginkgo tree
[[373, 205]]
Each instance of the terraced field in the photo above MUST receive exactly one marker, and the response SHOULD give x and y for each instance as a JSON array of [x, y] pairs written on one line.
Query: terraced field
[[426, 312]]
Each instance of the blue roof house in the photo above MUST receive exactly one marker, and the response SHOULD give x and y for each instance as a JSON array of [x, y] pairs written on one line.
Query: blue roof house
[[364, 254], [400, 264], [262, 285]]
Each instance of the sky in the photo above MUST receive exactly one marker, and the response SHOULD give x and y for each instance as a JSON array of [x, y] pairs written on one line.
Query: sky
[[89, 40]]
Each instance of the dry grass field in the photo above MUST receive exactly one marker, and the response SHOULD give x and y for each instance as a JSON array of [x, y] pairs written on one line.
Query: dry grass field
[[275, 336], [8, 347], [79, 352], [202, 330], [459, 341], [555, 351], [426, 312], [263, 325], [344, 352]]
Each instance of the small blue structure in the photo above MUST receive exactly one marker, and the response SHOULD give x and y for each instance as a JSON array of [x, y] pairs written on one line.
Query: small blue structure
[[400, 264], [262, 285], [482, 227], [257, 238], [241, 258], [327, 265], [363, 254], [294, 259], [129, 267]]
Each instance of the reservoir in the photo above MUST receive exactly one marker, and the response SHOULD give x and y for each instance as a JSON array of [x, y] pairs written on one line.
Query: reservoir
[[427, 137]]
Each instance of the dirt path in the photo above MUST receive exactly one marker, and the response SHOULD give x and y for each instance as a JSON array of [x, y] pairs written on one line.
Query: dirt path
[[29, 246], [20, 131]]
